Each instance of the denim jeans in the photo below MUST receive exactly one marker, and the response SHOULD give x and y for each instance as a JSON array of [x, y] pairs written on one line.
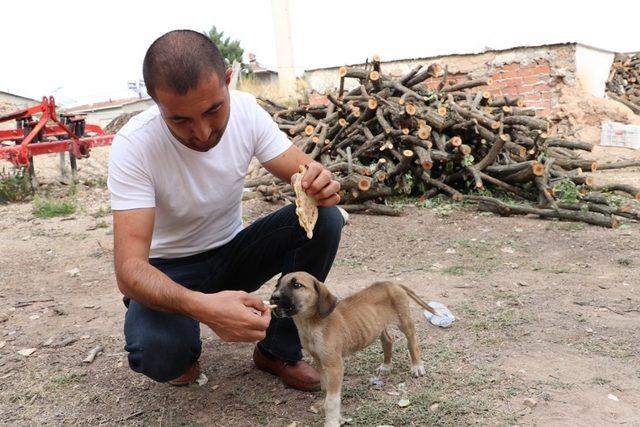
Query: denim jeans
[[163, 345]]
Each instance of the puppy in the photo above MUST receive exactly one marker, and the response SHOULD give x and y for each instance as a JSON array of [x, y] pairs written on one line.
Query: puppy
[[330, 329]]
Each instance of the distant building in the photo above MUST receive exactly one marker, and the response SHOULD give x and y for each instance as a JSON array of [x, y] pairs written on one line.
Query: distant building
[[101, 113], [10, 102], [263, 75]]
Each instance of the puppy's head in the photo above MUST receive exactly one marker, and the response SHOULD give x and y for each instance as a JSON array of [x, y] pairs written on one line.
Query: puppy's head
[[301, 294]]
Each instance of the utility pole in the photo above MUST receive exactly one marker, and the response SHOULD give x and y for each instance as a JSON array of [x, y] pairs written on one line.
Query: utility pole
[[284, 47]]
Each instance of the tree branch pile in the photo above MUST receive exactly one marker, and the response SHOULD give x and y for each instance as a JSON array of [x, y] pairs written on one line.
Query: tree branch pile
[[394, 136], [623, 84]]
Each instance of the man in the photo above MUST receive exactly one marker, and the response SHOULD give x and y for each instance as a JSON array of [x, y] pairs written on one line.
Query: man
[[182, 258]]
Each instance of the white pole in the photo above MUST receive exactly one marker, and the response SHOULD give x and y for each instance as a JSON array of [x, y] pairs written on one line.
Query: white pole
[[284, 47]]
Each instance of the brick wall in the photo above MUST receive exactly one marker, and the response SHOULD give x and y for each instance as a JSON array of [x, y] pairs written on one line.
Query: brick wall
[[529, 81]]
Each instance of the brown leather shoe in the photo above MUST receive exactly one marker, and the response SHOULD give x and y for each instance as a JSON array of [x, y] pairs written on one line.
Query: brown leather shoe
[[299, 375], [189, 377]]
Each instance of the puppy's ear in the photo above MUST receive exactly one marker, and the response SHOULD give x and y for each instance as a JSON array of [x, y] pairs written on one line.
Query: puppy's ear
[[326, 300]]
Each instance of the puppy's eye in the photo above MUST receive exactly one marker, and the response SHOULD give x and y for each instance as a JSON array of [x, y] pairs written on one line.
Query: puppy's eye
[[296, 285]]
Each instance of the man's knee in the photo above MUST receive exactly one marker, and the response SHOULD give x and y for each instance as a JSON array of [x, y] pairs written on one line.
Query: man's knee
[[161, 345], [162, 357], [329, 224]]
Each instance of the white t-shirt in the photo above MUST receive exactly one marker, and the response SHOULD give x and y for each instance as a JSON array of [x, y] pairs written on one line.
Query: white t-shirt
[[197, 196]]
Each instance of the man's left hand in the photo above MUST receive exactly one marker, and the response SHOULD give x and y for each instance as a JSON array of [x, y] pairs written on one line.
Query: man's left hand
[[319, 183]]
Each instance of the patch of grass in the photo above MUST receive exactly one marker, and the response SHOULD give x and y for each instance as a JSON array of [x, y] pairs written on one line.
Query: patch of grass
[[565, 226], [102, 224], [456, 270], [485, 259], [498, 319], [48, 208], [15, 187], [626, 262], [97, 182], [347, 262], [63, 379], [615, 348]]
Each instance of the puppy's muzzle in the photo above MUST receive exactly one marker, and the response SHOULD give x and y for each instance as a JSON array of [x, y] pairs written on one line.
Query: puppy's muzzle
[[284, 306]]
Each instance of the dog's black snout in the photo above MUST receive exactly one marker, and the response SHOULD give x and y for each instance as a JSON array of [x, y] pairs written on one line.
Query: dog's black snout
[[275, 299]]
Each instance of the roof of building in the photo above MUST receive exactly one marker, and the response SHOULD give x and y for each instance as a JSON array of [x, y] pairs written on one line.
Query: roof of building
[[486, 50], [20, 96], [255, 66], [105, 105]]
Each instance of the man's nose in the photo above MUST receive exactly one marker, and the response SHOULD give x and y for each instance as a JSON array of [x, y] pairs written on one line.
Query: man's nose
[[202, 131]]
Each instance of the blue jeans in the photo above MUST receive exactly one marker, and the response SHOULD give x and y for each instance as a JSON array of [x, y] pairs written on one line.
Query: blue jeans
[[163, 345]]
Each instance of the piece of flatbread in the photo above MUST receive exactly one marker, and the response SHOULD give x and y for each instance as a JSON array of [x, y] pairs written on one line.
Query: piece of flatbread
[[306, 207]]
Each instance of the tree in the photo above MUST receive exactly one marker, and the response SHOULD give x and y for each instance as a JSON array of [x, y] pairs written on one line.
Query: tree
[[230, 49]]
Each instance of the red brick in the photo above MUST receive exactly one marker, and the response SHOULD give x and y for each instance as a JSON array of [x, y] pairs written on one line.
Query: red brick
[[537, 78]]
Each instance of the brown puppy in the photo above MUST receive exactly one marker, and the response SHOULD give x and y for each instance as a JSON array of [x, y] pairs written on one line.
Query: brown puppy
[[330, 329]]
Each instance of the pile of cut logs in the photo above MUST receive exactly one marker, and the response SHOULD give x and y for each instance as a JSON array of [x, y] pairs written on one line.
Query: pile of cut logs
[[624, 81], [394, 136]]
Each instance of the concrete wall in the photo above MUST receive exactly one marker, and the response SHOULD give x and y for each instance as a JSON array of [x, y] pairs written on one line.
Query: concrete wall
[[592, 69], [534, 73]]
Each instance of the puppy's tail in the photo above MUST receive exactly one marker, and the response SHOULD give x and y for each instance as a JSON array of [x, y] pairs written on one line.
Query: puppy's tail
[[417, 299]]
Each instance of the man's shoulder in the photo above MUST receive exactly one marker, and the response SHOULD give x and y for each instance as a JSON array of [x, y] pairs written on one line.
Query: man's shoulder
[[243, 103]]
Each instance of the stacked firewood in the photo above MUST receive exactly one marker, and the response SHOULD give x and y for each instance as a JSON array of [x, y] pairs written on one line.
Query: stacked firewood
[[624, 81], [394, 136]]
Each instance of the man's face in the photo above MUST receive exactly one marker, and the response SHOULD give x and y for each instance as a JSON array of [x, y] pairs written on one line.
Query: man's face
[[198, 118]]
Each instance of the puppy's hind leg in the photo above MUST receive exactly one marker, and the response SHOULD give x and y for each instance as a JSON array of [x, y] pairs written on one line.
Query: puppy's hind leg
[[408, 329], [387, 346]]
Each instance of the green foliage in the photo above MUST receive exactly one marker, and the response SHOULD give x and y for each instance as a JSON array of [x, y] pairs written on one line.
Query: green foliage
[[14, 187], [230, 49], [48, 208], [567, 191]]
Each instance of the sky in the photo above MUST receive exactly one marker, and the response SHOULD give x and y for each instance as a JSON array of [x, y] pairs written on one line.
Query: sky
[[87, 51]]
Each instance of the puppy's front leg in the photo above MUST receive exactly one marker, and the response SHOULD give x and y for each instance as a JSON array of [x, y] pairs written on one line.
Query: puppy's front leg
[[333, 371]]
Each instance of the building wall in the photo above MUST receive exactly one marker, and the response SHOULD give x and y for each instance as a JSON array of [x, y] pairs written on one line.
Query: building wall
[[592, 69], [10, 104], [8, 101], [534, 73], [104, 117]]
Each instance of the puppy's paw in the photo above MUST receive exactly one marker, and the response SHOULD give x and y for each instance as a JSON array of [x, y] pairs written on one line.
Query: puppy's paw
[[333, 422], [384, 369], [418, 370]]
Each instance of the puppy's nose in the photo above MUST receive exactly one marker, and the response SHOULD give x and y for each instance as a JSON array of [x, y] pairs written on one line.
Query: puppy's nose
[[275, 299]]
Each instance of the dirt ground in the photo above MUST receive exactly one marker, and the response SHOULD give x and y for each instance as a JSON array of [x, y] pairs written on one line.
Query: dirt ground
[[547, 330]]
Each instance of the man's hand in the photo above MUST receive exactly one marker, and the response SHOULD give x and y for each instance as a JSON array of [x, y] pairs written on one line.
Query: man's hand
[[232, 315], [320, 184]]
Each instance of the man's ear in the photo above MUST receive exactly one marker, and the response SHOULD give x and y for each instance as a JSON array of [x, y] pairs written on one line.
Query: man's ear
[[227, 76], [326, 300]]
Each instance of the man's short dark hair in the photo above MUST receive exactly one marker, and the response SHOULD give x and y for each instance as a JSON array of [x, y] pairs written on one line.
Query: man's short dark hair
[[178, 61]]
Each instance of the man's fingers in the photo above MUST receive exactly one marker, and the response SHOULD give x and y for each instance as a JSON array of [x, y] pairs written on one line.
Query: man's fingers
[[329, 190], [320, 183], [332, 200], [312, 173], [259, 323], [254, 302]]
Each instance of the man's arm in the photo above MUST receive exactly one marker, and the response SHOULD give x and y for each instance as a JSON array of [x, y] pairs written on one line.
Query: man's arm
[[318, 182], [227, 313]]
